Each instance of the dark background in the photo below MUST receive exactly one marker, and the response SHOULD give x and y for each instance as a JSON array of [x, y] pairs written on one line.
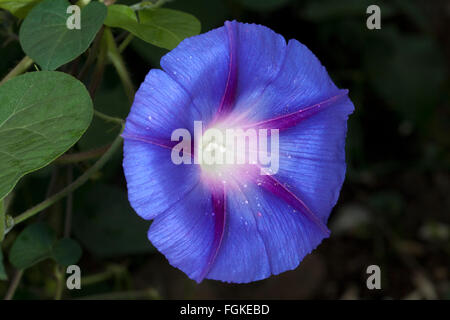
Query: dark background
[[394, 206]]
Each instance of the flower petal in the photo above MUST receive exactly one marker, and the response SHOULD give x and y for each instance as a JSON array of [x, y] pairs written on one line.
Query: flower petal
[[263, 236], [312, 157], [200, 66], [160, 106], [226, 65], [301, 82], [154, 182], [256, 57], [185, 232]]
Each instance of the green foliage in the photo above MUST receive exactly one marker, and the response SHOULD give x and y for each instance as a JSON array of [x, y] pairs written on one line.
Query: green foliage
[[19, 8], [164, 28], [66, 252], [45, 37], [100, 225], [33, 245], [42, 115], [37, 242]]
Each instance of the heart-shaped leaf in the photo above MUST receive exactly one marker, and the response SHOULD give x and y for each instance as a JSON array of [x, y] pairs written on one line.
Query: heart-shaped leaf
[[42, 114], [164, 28], [37, 242], [32, 245], [66, 252], [46, 38]]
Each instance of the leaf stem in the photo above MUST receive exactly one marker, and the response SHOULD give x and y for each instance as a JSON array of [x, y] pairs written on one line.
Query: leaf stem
[[126, 42], [14, 284], [119, 64], [74, 185], [93, 51], [99, 67], [96, 278], [108, 118], [20, 68], [60, 277], [110, 272]]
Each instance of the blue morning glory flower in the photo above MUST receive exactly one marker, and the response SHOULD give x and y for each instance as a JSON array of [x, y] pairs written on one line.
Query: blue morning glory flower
[[236, 222]]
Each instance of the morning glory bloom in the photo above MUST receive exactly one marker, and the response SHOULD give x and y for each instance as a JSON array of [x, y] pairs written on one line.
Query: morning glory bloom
[[236, 221]]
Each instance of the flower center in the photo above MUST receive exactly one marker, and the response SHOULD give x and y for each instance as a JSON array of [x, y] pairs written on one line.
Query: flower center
[[215, 153]]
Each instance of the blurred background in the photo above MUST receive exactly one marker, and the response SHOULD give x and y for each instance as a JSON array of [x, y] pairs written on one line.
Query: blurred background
[[394, 208]]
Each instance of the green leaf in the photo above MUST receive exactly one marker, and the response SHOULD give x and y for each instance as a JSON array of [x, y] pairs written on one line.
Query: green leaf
[[161, 27], [19, 8], [107, 226], [33, 245], [37, 242], [42, 115], [3, 275], [66, 252], [45, 37]]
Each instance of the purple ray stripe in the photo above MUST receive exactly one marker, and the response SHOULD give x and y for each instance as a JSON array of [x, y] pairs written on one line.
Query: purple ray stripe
[[166, 144], [219, 209], [157, 142], [291, 119], [226, 104], [271, 184]]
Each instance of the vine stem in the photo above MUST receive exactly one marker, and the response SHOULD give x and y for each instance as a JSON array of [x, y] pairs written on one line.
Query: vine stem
[[119, 64], [93, 51], [107, 118], [126, 42], [97, 76], [14, 284], [20, 68], [110, 272], [60, 277], [74, 185]]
